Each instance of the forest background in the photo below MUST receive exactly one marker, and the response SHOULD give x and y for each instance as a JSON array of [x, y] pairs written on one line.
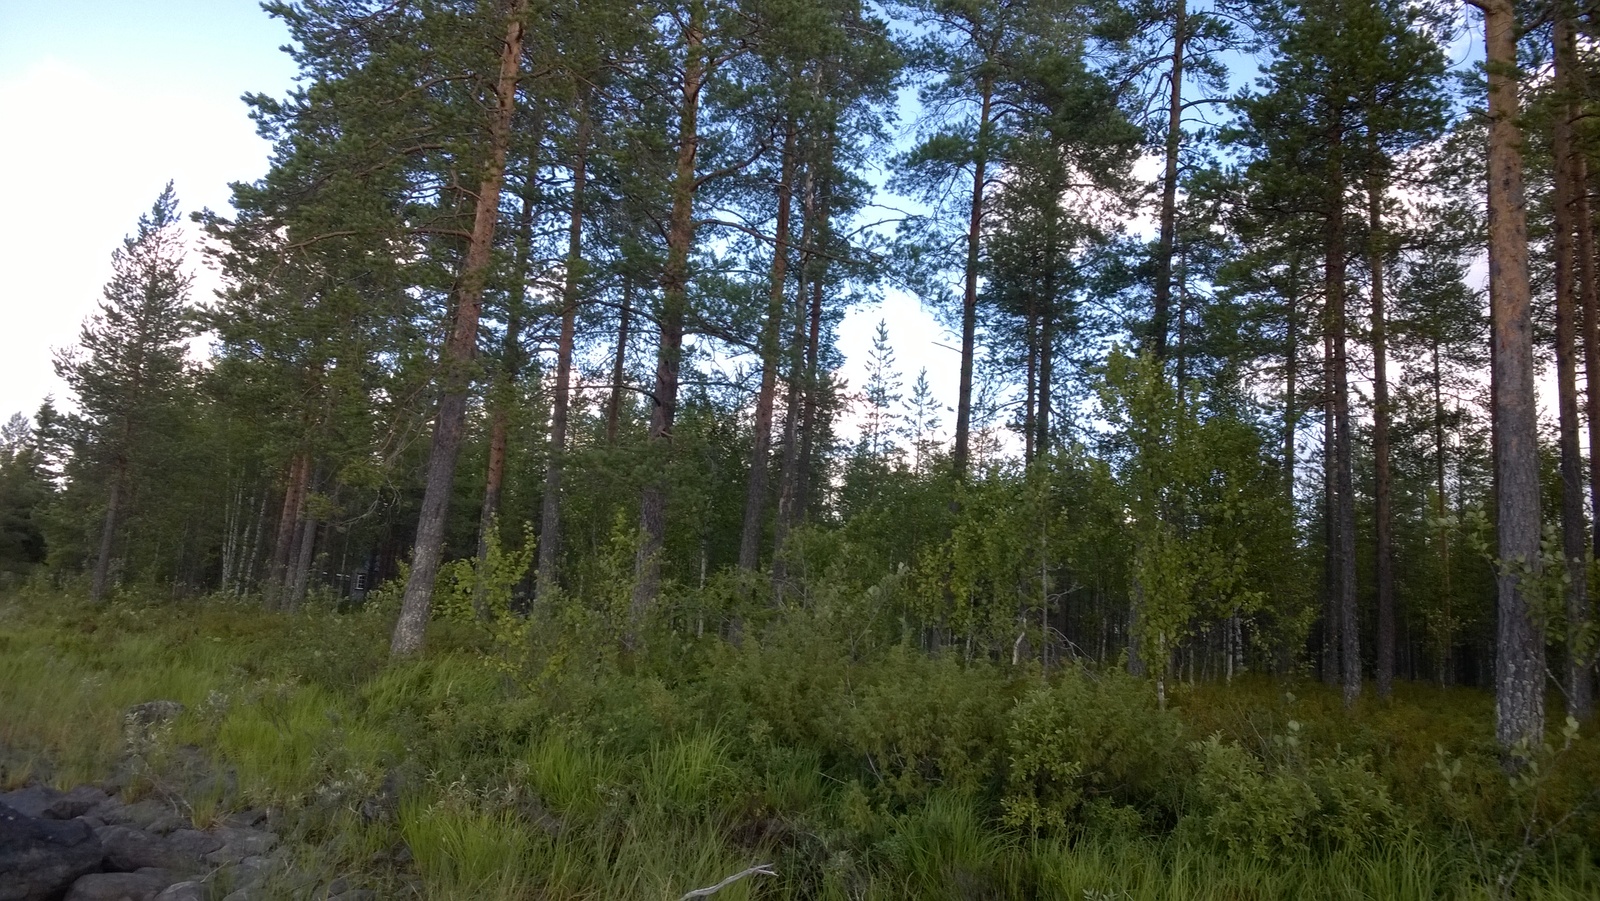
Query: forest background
[[532, 328]]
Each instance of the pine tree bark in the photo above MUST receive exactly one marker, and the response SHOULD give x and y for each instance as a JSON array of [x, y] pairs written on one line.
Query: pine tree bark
[[1520, 658], [108, 535], [1159, 325], [561, 404], [619, 363], [755, 498], [503, 395], [674, 308], [1383, 515], [1331, 674], [460, 348], [294, 493], [969, 299], [300, 579], [798, 390], [1345, 489], [1574, 540]]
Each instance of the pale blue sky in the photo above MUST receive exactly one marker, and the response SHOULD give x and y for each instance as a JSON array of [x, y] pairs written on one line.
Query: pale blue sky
[[101, 102]]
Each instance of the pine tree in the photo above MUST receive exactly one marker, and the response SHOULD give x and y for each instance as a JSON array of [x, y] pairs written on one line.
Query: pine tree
[[127, 371]]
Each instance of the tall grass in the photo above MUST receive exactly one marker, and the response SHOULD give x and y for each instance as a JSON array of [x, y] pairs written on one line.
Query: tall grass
[[644, 782]]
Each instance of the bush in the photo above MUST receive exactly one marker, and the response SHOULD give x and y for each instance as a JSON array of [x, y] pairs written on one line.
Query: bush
[[1092, 747], [1325, 804]]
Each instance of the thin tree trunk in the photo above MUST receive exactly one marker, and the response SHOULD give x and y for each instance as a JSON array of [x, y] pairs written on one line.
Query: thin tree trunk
[[1574, 541], [811, 400], [1331, 672], [1519, 658], [1030, 328], [1589, 293], [455, 358], [253, 541], [283, 546], [805, 377], [300, 577], [1047, 339], [619, 363], [1169, 188], [1291, 377], [550, 514], [674, 308], [503, 394], [1345, 501], [1383, 515], [108, 535], [969, 299], [755, 498], [1446, 598]]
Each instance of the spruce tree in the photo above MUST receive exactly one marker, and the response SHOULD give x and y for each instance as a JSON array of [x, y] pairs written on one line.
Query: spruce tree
[[127, 371]]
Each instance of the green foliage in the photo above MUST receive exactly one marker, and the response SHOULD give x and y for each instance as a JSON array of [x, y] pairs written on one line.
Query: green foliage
[[1088, 746], [1295, 805], [469, 590], [859, 769]]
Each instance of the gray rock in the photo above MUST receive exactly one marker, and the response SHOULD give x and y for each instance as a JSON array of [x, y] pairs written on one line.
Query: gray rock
[[239, 843], [193, 842], [117, 887], [128, 849], [146, 814], [168, 824], [245, 874], [170, 876], [245, 819], [32, 801], [42, 858], [76, 803], [184, 891]]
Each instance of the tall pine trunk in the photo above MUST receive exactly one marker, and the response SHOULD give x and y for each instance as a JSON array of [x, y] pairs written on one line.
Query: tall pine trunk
[[460, 347], [1383, 527], [619, 363], [969, 298], [755, 498], [503, 396], [1159, 325], [1520, 658], [674, 309], [1574, 540], [1344, 485], [294, 495], [561, 404], [108, 535]]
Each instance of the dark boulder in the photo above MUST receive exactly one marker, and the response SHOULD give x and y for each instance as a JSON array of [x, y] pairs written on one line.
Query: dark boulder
[[40, 858], [118, 887], [128, 849]]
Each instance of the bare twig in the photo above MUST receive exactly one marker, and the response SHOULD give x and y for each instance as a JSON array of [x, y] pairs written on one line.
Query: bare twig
[[764, 869]]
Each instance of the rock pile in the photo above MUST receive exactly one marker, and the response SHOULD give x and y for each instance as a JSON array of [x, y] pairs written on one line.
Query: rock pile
[[88, 845], [85, 845]]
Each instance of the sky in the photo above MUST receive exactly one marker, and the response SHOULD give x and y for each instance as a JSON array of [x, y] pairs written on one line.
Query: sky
[[101, 103], [104, 101]]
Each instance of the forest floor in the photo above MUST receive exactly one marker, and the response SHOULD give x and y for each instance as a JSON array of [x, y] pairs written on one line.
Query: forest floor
[[536, 761]]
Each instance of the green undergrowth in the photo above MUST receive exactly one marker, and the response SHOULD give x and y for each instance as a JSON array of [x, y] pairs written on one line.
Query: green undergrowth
[[535, 760]]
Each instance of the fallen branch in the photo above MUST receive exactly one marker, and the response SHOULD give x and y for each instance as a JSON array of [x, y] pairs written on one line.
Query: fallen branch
[[764, 869]]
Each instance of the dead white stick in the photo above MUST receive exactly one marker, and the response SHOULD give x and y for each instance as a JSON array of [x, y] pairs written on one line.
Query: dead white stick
[[763, 869]]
